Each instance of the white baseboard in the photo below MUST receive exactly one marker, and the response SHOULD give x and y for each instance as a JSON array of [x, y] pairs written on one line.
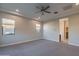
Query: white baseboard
[[74, 44], [4, 45]]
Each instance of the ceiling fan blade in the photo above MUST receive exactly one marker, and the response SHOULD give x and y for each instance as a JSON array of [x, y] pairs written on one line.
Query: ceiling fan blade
[[38, 12], [46, 7], [47, 11], [38, 7]]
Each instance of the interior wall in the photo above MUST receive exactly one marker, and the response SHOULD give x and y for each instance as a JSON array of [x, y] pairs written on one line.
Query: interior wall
[[25, 30], [0, 32], [51, 30], [74, 30]]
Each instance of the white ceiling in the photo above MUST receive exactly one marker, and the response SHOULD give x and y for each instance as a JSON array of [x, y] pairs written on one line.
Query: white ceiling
[[29, 10]]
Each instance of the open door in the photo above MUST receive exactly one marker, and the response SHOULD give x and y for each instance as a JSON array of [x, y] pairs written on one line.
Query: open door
[[63, 30]]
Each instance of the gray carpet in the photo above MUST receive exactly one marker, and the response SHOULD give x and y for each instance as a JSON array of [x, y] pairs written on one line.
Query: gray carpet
[[40, 48]]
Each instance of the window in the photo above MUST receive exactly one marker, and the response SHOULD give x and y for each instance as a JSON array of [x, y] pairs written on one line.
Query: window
[[8, 26], [37, 25]]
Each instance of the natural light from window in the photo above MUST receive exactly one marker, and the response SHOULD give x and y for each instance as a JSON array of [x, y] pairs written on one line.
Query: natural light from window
[[8, 26], [37, 25]]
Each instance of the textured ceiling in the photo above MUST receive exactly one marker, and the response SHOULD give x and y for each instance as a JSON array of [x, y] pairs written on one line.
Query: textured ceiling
[[29, 10]]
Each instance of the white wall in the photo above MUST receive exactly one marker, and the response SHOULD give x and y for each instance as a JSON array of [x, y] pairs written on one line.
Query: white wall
[[0, 33], [51, 30], [74, 30], [24, 30]]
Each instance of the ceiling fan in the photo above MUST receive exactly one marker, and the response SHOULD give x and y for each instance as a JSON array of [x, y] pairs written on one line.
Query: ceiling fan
[[43, 9]]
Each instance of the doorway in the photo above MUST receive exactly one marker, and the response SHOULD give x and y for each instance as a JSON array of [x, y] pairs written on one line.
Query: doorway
[[63, 30]]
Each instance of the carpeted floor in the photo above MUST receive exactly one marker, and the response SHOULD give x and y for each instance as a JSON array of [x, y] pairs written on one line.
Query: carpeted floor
[[40, 48]]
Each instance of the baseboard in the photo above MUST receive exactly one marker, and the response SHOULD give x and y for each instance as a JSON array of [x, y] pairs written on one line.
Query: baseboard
[[73, 44], [17, 43]]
